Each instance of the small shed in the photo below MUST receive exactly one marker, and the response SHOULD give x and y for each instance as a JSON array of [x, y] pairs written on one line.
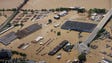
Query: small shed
[[39, 38], [63, 13], [56, 17]]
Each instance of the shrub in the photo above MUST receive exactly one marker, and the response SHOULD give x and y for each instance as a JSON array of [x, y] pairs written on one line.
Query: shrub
[[49, 21], [96, 10], [19, 53], [81, 10], [58, 33], [82, 57]]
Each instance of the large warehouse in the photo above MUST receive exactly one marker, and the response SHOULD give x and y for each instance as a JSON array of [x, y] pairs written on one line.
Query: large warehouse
[[8, 38], [30, 29], [78, 26]]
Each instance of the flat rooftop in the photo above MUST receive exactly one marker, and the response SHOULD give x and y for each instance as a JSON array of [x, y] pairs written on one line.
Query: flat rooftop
[[8, 38], [78, 26], [26, 31]]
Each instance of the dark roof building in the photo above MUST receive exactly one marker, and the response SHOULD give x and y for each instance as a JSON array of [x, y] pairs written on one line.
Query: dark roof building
[[30, 29], [58, 48], [8, 38], [107, 60], [30, 61], [78, 26], [5, 54]]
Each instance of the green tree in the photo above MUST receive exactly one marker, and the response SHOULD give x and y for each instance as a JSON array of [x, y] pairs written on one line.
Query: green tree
[[57, 9], [14, 9], [0, 14], [9, 10], [62, 9], [52, 10], [49, 21], [3, 11], [32, 11], [43, 9], [82, 57], [23, 54], [90, 12], [81, 10], [5, 16], [58, 33], [96, 10], [15, 52], [9, 25], [25, 12], [21, 24]]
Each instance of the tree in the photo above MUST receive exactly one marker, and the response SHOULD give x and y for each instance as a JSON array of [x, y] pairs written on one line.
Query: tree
[[14, 9], [52, 10], [16, 25], [62, 9], [81, 10], [57, 9], [9, 10], [99, 33], [25, 12], [9, 25], [3, 10], [15, 52], [58, 33], [90, 12], [5, 16], [19, 53], [0, 14], [96, 10], [22, 54], [21, 24], [82, 57], [32, 11], [43, 9]]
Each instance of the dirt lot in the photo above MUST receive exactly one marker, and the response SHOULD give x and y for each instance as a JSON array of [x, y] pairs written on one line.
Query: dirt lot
[[41, 4], [9, 4], [71, 36]]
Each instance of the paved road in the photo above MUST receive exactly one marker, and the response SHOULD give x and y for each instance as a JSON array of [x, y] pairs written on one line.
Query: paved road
[[83, 46]]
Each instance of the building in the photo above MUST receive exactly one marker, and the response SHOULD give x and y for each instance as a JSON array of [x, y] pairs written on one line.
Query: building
[[78, 26], [106, 61], [56, 17], [30, 61], [5, 54], [8, 38], [58, 48], [26, 31]]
